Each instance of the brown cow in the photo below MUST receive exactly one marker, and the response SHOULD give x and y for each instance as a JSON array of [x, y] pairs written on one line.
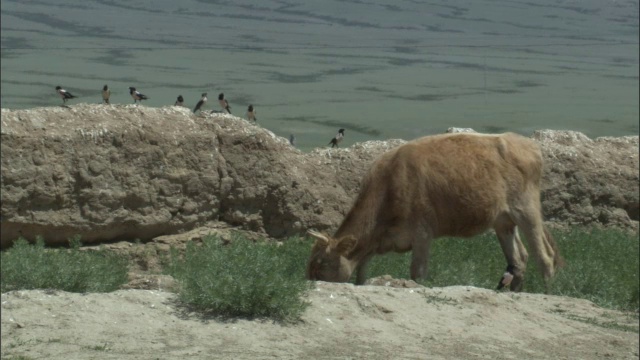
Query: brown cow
[[442, 185]]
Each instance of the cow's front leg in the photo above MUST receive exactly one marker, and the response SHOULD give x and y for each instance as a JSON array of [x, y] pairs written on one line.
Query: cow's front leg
[[420, 259], [514, 252], [361, 270]]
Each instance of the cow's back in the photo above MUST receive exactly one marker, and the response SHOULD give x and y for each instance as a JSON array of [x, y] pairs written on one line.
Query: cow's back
[[454, 184]]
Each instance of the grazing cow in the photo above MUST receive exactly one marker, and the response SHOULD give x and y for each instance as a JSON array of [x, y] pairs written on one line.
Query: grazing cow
[[443, 185]]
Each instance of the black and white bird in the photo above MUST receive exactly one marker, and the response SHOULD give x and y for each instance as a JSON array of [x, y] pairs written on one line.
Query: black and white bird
[[224, 103], [292, 140], [179, 101], [64, 94], [106, 94], [136, 95], [251, 113], [337, 139], [200, 103]]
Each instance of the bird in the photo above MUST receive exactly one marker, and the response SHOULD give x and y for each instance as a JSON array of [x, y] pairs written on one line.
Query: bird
[[106, 93], [251, 113], [337, 139], [292, 140], [179, 101], [507, 277], [203, 100], [136, 95], [64, 94], [224, 103]]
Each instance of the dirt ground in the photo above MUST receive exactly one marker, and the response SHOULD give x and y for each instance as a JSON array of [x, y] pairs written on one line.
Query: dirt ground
[[388, 321]]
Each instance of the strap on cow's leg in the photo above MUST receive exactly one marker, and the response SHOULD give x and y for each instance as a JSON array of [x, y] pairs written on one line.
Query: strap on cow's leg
[[507, 277]]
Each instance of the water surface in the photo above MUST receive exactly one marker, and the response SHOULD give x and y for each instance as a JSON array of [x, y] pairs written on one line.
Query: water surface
[[380, 69]]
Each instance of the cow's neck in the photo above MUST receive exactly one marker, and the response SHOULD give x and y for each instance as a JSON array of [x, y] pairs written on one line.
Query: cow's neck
[[362, 249], [360, 222]]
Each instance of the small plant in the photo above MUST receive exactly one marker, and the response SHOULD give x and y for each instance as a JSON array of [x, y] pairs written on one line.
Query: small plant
[[26, 266], [20, 342], [438, 299], [605, 324], [104, 347], [242, 279]]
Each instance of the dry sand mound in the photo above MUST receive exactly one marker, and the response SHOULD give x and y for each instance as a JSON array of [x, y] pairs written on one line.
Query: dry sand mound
[[343, 322]]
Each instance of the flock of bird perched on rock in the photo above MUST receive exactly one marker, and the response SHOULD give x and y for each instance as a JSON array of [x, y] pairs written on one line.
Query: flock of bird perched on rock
[[138, 96]]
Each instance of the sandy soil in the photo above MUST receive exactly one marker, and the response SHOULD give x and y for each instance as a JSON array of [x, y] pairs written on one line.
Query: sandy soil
[[343, 322]]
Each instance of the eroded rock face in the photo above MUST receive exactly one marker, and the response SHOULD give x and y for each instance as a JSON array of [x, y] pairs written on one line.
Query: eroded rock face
[[590, 181], [106, 173], [127, 172]]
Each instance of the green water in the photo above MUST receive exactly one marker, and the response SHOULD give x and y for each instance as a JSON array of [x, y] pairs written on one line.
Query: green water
[[379, 69]]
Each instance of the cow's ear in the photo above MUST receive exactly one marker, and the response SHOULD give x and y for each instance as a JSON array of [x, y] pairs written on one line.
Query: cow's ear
[[346, 244], [321, 238]]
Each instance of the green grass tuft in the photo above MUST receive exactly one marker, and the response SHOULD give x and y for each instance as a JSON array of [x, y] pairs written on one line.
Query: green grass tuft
[[32, 266], [602, 266], [243, 278], [263, 280]]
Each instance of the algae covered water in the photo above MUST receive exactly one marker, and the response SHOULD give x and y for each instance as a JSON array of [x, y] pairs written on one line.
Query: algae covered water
[[379, 69]]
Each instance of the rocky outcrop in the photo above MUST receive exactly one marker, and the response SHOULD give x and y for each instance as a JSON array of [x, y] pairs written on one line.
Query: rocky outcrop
[[131, 172], [590, 181]]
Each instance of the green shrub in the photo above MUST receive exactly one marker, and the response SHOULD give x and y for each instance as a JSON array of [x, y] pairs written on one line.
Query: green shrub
[[242, 279], [26, 266]]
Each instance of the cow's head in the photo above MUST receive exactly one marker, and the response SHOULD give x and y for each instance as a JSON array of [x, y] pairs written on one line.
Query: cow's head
[[328, 261]]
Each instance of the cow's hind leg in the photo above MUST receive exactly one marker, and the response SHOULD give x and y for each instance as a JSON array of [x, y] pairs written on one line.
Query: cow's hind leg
[[530, 223], [552, 248], [514, 252]]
